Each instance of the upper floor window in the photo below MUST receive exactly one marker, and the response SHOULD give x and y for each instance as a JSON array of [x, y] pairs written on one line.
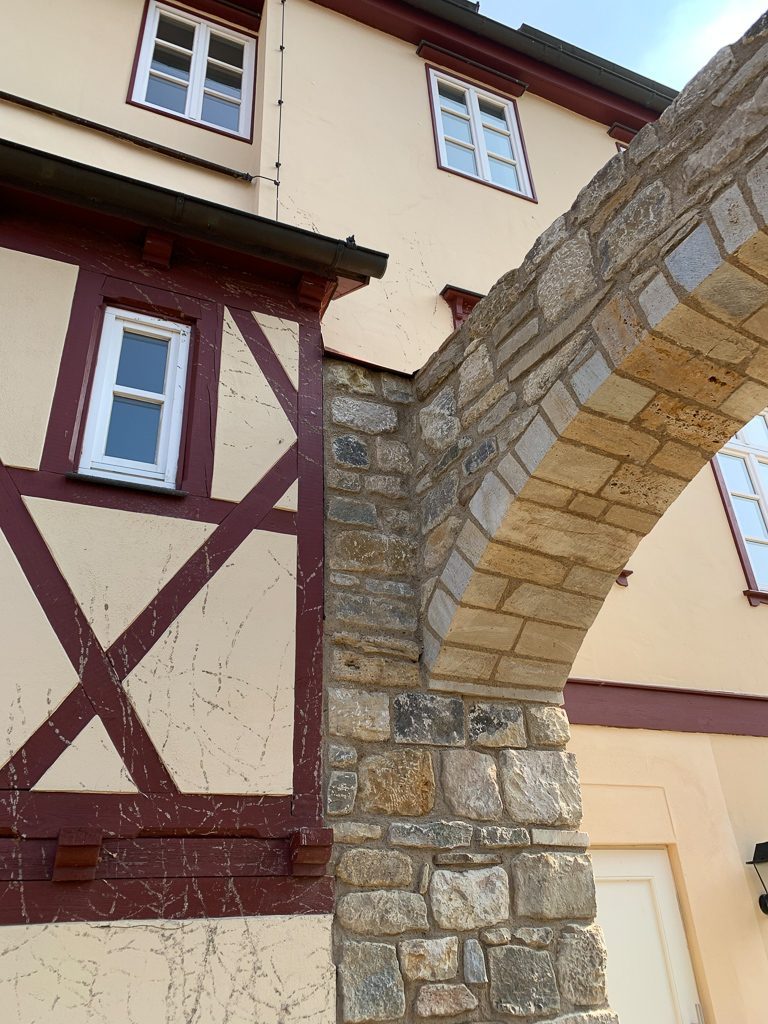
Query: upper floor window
[[196, 70], [478, 134], [133, 428], [743, 476]]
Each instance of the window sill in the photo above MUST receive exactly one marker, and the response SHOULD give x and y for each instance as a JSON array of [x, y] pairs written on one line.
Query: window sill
[[129, 485], [488, 184], [756, 597]]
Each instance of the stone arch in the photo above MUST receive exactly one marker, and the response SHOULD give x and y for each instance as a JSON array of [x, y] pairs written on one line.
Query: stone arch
[[592, 384]]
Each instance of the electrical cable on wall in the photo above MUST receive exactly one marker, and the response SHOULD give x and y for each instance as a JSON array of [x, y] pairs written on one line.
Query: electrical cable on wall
[[280, 113]]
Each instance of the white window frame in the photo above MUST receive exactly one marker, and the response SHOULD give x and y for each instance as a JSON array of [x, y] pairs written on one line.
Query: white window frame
[[474, 94], [753, 456], [196, 86], [94, 461]]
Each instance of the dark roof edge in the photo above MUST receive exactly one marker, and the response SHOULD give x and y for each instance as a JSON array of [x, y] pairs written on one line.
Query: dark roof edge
[[177, 213], [554, 52]]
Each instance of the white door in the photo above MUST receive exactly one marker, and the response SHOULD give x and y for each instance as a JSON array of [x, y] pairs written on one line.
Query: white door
[[650, 977]]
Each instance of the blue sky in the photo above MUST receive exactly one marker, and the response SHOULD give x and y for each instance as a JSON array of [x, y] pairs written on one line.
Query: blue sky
[[667, 40]]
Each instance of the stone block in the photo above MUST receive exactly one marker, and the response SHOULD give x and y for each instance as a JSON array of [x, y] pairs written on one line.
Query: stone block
[[439, 542], [496, 415], [341, 756], [475, 972], [372, 670], [465, 900], [342, 789], [540, 787], [537, 937], [535, 443], [694, 331], [568, 277], [371, 983], [581, 963], [643, 522], [657, 300], [695, 258], [573, 467], [559, 406], [465, 859], [553, 886], [754, 254], [442, 608], [473, 413], [559, 837], [470, 784], [691, 424], [382, 912], [361, 551], [464, 664], [347, 510], [590, 1017], [533, 601], [339, 481], [397, 389], [499, 936], [429, 959], [522, 981], [644, 488], [733, 219], [621, 398], [496, 725], [539, 675], [517, 340], [612, 436], [350, 376], [746, 402], [524, 565], [547, 725], [499, 837], [481, 456], [758, 324], [551, 641], [480, 628], [590, 376], [644, 216], [375, 868], [450, 455], [355, 832], [584, 505], [437, 504], [388, 486], [427, 718], [541, 378], [431, 835], [490, 504], [475, 375], [471, 543], [397, 782], [456, 575], [484, 591], [618, 327], [362, 610], [443, 1000], [545, 493], [349, 450], [439, 424], [369, 417], [589, 581], [393, 456]]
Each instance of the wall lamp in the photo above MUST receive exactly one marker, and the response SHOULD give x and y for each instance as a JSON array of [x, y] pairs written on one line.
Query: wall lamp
[[760, 856]]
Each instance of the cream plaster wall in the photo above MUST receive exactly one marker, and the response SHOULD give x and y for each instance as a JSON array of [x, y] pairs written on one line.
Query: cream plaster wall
[[36, 674], [252, 431], [683, 620], [270, 970], [90, 764], [693, 794], [115, 562], [36, 298], [216, 691]]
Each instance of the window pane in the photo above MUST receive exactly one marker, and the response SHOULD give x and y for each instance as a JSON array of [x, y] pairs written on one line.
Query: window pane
[[736, 475], [756, 432], [133, 430], [456, 127], [228, 82], [176, 32], [171, 62], [221, 112], [504, 174], [167, 94], [750, 517], [142, 362], [453, 99], [226, 50], [758, 556], [497, 143], [493, 115], [460, 159]]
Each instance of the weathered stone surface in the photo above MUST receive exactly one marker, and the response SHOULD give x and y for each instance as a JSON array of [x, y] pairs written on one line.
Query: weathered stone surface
[[466, 859], [537, 937], [591, 1017], [644, 216], [360, 551], [568, 277], [429, 959], [481, 456], [618, 327], [389, 486], [397, 782], [358, 714], [497, 837], [499, 936], [371, 868], [342, 788], [349, 450], [427, 718], [473, 413], [496, 725], [551, 886], [370, 417], [440, 425], [352, 666], [464, 900], [340, 481], [522, 981], [393, 456], [371, 984], [431, 835], [382, 912], [470, 784], [559, 837], [475, 972], [444, 1000], [440, 542], [541, 786], [475, 374], [552, 606], [397, 389], [439, 501], [341, 756], [581, 962], [351, 377], [355, 832], [360, 609]]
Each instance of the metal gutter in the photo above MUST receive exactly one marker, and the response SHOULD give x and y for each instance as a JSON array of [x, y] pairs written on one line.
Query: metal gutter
[[555, 52], [185, 215]]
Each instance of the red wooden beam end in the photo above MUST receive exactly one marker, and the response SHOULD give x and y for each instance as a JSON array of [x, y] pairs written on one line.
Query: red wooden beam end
[[77, 854], [158, 248], [461, 301], [311, 851], [315, 292]]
